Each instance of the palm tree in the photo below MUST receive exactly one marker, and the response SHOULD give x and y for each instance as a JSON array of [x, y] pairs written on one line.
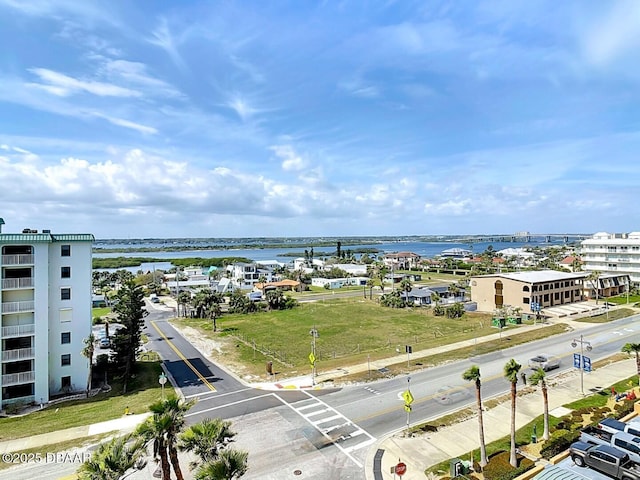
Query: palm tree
[[511, 370], [594, 278], [183, 299], [539, 377], [370, 284], [406, 286], [230, 465], [472, 374], [635, 348], [163, 429], [87, 352], [113, 459], [207, 438]]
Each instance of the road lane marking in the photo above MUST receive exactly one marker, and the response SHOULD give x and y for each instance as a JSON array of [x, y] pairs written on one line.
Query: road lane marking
[[219, 395], [183, 358], [228, 404], [357, 431]]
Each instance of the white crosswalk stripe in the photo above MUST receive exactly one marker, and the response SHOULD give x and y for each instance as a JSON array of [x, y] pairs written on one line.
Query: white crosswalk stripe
[[334, 426]]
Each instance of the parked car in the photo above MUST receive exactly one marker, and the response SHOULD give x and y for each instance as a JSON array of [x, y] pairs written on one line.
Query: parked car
[[447, 395], [626, 442], [544, 361], [105, 343], [154, 298], [606, 459]]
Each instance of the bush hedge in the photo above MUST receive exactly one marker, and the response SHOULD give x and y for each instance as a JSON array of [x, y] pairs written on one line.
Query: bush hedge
[[499, 467]]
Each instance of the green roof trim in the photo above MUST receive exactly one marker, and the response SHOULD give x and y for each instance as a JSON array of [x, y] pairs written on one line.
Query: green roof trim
[[45, 237]]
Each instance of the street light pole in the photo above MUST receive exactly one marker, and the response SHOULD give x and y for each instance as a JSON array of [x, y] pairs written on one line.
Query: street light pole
[[582, 343]]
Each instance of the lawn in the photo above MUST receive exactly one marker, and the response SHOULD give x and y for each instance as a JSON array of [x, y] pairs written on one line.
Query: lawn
[[144, 390], [608, 317], [350, 331]]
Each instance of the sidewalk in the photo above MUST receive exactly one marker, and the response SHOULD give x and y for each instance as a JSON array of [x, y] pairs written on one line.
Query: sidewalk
[[125, 424], [456, 441]]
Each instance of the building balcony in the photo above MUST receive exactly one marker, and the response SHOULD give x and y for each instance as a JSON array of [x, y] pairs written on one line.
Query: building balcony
[[18, 307], [18, 378], [18, 354], [8, 260], [15, 283], [26, 400], [18, 330]]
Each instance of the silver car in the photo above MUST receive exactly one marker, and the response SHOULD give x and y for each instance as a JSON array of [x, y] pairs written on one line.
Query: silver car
[[544, 361]]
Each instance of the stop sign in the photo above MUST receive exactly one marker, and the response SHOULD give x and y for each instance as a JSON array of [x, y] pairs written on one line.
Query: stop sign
[[401, 469]]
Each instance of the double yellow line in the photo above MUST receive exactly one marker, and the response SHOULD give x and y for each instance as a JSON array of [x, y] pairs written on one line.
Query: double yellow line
[[183, 358]]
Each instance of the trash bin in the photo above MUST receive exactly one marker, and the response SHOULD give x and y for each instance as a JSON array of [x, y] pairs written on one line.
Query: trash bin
[[270, 368]]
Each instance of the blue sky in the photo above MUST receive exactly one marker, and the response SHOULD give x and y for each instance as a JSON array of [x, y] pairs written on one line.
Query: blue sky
[[302, 118]]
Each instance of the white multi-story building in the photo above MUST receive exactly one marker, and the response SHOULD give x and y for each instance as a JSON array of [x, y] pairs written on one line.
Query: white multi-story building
[[45, 293], [613, 253]]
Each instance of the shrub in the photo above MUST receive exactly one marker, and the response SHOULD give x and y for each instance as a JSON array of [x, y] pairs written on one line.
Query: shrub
[[499, 467], [623, 409], [558, 442]]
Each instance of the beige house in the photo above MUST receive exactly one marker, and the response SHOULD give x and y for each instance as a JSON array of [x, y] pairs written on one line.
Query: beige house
[[401, 260], [546, 288]]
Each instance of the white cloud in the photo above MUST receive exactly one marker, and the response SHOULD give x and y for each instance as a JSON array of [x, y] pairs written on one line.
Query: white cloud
[[63, 85], [126, 123], [291, 161]]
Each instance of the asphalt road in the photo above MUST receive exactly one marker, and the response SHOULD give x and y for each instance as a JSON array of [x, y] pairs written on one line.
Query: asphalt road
[[352, 418]]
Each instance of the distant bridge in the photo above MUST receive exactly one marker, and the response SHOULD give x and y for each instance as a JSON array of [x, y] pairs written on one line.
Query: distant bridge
[[523, 238]]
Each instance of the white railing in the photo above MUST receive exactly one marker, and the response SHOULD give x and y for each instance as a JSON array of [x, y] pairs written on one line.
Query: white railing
[[18, 354], [26, 400], [17, 260], [8, 283], [17, 378], [18, 307], [18, 330]]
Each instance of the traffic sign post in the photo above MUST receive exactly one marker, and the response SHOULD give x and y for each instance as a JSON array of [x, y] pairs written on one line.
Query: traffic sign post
[[408, 400], [162, 379], [401, 468]]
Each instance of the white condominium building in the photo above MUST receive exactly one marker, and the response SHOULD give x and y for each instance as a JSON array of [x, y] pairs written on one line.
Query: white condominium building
[[613, 253], [45, 295]]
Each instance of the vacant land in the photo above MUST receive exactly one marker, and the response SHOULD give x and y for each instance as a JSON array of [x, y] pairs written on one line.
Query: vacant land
[[349, 331]]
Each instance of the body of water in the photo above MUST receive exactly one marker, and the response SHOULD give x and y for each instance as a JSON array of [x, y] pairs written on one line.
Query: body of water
[[424, 249]]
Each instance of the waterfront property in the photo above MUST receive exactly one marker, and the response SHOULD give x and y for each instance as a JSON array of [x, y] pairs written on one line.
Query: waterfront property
[[527, 290], [613, 253], [46, 303]]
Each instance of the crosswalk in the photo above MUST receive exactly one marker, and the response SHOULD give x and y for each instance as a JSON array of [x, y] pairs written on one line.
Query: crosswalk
[[335, 427]]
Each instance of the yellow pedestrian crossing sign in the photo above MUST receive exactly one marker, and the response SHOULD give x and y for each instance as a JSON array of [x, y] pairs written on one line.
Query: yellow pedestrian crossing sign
[[408, 398], [312, 358], [407, 408]]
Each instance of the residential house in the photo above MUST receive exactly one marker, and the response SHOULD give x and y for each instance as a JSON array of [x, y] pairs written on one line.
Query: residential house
[[401, 260]]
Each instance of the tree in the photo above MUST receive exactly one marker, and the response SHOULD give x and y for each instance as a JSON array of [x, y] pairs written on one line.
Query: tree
[[184, 298], [115, 458], [127, 341], [594, 278], [207, 438], [635, 348], [370, 284], [163, 428], [539, 377], [511, 370], [230, 465], [87, 352], [406, 286], [472, 374]]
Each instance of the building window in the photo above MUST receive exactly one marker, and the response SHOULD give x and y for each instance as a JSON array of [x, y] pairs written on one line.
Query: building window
[[65, 272], [65, 337], [65, 382], [66, 314], [65, 294], [65, 359], [525, 300], [65, 250]]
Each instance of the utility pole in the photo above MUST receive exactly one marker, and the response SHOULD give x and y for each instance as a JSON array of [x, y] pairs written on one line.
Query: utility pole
[[314, 334], [581, 363]]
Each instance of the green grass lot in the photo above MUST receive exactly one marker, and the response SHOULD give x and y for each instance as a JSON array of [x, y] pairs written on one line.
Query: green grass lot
[[604, 318], [622, 299], [350, 331], [143, 391]]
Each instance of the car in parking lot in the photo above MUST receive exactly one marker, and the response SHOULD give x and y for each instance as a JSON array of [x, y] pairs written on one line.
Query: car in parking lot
[[104, 342], [446, 395], [544, 361]]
